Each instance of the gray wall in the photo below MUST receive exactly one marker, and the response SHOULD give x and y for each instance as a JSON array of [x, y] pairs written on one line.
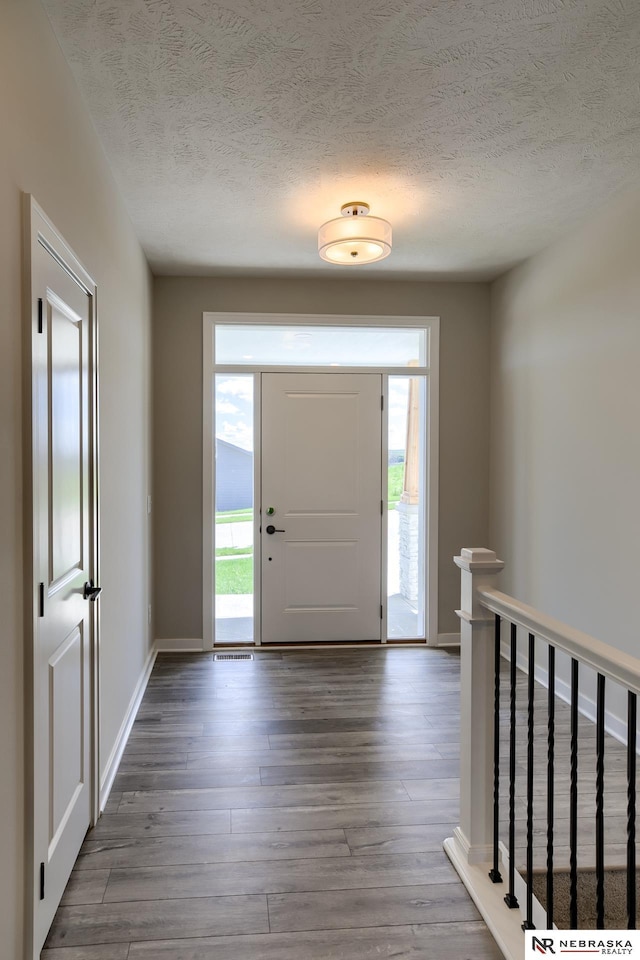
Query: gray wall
[[179, 303], [565, 511], [49, 148]]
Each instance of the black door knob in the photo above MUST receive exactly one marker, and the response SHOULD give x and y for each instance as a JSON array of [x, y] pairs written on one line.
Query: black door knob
[[91, 592], [272, 529]]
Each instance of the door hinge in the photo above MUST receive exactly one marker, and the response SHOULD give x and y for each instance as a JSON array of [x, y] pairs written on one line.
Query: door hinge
[[381, 612], [39, 314], [41, 599], [42, 881]]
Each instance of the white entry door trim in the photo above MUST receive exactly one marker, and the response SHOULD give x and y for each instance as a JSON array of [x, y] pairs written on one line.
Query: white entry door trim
[[61, 522], [209, 369]]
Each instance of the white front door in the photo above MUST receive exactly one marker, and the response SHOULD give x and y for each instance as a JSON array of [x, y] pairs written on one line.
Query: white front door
[[63, 517], [321, 476]]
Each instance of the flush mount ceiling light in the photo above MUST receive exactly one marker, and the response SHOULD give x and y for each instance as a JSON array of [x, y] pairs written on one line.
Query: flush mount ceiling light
[[355, 237]]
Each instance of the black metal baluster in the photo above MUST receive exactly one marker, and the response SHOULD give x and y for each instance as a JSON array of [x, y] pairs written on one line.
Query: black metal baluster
[[511, 899], [600, 804], [551, 753], [573, 802], [494, 873], [632, 705], [528, 923]]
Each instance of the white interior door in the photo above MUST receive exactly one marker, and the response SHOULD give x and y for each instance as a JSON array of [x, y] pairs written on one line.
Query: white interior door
[[321, 474], [63, 517]]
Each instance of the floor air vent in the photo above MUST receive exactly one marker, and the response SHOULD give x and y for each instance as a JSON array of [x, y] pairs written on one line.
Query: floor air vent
[[233, 656]]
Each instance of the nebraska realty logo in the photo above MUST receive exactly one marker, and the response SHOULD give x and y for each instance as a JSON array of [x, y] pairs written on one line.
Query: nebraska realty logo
[[582, 943]]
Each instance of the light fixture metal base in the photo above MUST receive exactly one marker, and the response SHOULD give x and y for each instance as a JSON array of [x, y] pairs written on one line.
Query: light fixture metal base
[[356, 208]]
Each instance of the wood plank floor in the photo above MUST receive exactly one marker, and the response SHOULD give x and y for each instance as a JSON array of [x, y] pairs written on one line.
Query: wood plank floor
[[292, 807]]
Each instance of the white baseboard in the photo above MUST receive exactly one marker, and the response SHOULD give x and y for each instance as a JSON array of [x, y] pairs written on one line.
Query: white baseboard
[[504, 924], [447, 640], [539, 914], [115, 756], [180, 645], [195, 645]]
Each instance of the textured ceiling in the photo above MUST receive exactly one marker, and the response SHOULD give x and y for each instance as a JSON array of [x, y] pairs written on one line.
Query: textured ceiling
[[481, 128]]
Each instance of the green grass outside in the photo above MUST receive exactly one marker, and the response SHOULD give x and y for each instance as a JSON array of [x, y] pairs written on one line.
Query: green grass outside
[[235, 516], [234, 576], [234, 551], [396, 479]]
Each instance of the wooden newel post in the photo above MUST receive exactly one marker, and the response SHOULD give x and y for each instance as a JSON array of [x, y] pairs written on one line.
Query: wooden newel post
[[473, 837]]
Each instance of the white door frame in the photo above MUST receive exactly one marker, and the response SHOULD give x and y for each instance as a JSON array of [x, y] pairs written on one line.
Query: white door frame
[[210, 368], [39, 230]]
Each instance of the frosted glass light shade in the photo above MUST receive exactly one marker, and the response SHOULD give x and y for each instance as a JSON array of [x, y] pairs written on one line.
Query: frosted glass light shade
[[353, 240]]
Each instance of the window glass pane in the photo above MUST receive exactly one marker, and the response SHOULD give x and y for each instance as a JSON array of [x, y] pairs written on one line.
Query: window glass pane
[[320, 345], [406, 579], [233, 532]]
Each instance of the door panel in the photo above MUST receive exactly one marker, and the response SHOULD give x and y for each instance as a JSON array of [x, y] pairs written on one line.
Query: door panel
[[66, 706], [332, 563], [64, 331], [321, 475], [62, 552], [321, 470]]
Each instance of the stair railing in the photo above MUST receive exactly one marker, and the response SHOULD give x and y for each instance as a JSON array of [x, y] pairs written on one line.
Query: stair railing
[[475, 848]]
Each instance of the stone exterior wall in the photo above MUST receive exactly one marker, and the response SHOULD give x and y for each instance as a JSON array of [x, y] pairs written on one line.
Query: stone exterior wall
[[409, 551]]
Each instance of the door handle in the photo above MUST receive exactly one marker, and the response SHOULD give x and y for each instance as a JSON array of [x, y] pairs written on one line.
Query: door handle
[[272, 529], [91, 592]]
